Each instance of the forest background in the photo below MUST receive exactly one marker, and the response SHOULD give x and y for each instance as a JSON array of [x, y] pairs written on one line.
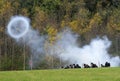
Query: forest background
[[87, 18]]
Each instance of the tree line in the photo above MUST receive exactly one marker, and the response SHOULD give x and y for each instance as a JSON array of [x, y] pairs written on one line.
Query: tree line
[[87, 18]]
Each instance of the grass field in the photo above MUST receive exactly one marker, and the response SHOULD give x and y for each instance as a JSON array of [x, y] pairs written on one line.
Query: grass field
[[93, 74]]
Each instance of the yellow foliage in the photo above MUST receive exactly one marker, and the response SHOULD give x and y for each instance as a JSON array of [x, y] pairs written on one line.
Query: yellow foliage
[[95, 21], [5, 7], [52, 32], [113, 25], [24, 12], [40, 14], [40, 19], [78, 26], [74, 24], [62, 23]]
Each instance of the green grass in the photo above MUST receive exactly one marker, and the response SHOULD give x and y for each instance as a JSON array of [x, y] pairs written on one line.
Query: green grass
[[93, 74]]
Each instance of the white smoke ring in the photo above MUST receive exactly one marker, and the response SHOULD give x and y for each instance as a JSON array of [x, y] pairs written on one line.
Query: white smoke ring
[[19, 23]]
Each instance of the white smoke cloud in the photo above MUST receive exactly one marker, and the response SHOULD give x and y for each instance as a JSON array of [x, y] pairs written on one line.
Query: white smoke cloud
[[66, 47], [19, 28], [96, 51]]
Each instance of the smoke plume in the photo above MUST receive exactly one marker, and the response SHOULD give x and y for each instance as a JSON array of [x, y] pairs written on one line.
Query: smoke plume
[[66, 47], [19, 28], [96, 51]]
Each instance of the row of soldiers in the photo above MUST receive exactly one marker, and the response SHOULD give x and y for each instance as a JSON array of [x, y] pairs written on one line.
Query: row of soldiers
[[107, 64]]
